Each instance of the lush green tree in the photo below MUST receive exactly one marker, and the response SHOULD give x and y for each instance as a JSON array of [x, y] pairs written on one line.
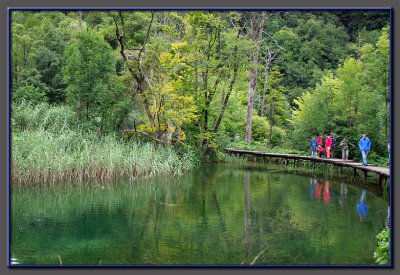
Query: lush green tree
[[21, 56], [376, 75], [93, 89], [256, 31], [186, 75], [315, 113], [347, 100], [172, 104], [311, 45], [352, 101], [272, 102], [356, 20], [49, 59]]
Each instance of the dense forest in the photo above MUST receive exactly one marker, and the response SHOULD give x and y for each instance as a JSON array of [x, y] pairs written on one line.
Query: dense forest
[[98, 83]]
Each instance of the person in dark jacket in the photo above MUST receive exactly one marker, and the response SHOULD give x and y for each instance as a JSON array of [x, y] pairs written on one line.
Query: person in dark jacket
[[320, 151], [333, 145], [345, 148], [365, 146], [313, 145]]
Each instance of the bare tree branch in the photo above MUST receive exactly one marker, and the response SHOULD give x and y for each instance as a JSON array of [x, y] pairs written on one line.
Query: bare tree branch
[[147, 36]]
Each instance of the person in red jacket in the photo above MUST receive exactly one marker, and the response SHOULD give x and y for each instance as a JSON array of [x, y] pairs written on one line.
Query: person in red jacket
[[328, 145], [320, 151], [319, 140]]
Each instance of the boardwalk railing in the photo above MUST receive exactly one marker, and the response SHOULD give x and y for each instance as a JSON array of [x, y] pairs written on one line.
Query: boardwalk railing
[[384, 173]]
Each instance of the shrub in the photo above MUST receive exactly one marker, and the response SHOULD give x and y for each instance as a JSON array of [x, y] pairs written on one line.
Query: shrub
[[382, 252], [260, 128]]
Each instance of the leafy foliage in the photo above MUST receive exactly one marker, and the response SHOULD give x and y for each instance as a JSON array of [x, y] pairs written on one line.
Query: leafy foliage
[[182, 77], [48, 147], [96, 94], [382, 252], [349, 101]]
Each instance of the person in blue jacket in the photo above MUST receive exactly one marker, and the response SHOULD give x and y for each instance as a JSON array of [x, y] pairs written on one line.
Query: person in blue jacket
[[365, 146], [313, 145]]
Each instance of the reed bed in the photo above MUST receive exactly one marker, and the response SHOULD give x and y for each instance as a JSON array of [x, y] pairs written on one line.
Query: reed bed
[[42, 157], [45, 148]]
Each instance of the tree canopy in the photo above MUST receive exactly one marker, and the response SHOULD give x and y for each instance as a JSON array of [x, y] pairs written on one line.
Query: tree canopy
[[188, 77]]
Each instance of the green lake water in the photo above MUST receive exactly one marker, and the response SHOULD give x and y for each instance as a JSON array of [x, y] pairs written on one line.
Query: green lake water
[[216, 215]]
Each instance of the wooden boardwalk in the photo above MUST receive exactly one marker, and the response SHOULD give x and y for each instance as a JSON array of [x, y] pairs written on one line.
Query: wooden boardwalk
[[384, 173]]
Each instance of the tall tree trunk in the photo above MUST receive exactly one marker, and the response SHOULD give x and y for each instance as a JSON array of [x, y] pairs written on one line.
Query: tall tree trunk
[[205, 109], [271, 122], [269, 58], [226, 99], [218, 120], [264, 92], [262, 107], [139, 76], [256, 29], [208, 94], [250, 102]]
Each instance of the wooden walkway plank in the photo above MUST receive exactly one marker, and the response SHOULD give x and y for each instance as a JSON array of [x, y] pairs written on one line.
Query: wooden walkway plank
[[382, 171]]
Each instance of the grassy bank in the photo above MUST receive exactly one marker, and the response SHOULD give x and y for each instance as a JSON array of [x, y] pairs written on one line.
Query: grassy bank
[[44, 157], [46, 148]]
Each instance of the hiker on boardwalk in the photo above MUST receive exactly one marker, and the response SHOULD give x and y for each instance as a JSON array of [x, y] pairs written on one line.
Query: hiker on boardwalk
[[365, 146], [328, 146], [320, 151], [345, 148], [319, 140], [333, 145], [313, 145]]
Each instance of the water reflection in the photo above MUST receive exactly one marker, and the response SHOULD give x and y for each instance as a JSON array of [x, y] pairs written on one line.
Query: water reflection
[[316, 188], [313, 183], [362, 205], [217, 215], [343, 194], [327, 194], [247, 219]]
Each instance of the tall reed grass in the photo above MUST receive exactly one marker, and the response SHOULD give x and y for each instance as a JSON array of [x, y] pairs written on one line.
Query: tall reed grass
[[47, 147]]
